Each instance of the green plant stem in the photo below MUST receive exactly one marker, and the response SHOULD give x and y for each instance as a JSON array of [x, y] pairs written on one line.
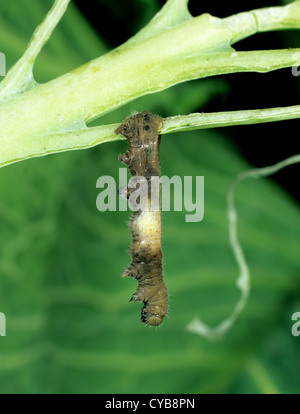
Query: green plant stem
[[20, 77], [81, 138], [243, 281], [223, 119], [172, 48]]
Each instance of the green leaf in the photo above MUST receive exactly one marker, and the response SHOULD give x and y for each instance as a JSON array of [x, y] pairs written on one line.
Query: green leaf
[[70, 326]]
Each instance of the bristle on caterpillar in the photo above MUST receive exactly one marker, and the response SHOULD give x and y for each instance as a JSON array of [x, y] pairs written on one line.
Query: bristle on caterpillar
[[142, 158]]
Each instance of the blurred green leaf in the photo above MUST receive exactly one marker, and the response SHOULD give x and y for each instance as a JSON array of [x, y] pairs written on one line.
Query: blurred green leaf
[[72, 44], [70, 327]]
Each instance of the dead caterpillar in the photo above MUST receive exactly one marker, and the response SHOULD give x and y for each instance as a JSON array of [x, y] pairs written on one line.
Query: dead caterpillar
[[142, 158]]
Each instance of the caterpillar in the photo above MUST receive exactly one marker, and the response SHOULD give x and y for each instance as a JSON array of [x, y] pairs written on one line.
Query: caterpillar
[[142, 157]]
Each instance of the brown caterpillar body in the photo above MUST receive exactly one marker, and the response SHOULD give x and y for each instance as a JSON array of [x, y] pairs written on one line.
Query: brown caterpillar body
[[142, 158]]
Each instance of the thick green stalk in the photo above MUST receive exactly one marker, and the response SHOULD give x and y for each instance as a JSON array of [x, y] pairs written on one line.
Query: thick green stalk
[[173, 48]]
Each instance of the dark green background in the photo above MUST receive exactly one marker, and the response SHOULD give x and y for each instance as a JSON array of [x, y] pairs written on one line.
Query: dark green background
[[70, 327]]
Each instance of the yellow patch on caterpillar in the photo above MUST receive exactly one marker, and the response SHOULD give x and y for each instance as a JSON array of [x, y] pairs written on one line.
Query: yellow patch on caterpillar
[[148, 226]]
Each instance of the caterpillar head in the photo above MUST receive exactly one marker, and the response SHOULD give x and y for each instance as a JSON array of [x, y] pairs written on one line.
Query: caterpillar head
[[150, 318], [155, 307]]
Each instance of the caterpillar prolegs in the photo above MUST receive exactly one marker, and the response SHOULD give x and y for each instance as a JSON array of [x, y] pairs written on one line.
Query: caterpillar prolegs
[[142, 158]]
